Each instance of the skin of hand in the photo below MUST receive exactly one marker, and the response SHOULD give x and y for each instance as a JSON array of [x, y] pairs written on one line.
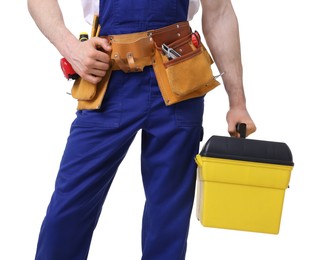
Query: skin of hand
[[90, 59], [220, 29]]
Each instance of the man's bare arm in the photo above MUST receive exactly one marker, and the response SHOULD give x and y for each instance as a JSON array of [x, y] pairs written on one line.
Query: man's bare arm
[[90, 63], [220, 28]]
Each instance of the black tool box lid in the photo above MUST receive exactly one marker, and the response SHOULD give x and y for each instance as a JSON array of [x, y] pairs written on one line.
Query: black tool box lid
[[247, 150]]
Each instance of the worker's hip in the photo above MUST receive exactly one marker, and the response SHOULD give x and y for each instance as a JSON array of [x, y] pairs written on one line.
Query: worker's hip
[[181, 63]]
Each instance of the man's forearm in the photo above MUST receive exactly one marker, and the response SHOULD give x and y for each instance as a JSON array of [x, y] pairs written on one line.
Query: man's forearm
[[48, 17], [89, 59], [220, 28]]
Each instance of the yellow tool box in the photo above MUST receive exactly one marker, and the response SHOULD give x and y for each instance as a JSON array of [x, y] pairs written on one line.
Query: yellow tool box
[[241, 183]]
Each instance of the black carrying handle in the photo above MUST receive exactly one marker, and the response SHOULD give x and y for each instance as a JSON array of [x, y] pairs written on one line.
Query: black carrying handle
[[241, 129]]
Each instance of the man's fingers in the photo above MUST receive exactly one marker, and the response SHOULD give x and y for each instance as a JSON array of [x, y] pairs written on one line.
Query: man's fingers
[[250, 128], [101, 43], [101, 57], [92, 78], [98, 72]]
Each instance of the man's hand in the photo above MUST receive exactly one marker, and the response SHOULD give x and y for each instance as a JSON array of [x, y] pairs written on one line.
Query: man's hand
[[90, 59], [239, 115]]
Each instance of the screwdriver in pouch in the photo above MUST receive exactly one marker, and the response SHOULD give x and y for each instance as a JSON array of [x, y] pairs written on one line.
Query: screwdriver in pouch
[[173, 54]]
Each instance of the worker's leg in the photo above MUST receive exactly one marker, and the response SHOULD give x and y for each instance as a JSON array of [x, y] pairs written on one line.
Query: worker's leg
[[97, 143], [170, 144], [86, 173]]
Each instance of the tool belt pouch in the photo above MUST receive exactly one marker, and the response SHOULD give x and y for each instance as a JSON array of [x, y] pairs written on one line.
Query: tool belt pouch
[[90, 96], [83, 90], [184, 77]]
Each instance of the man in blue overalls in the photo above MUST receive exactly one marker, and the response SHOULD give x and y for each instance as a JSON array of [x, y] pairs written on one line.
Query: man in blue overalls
[[99, 139]]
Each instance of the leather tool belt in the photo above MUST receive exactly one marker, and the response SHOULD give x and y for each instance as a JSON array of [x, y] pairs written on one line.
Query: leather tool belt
[[184, 74]]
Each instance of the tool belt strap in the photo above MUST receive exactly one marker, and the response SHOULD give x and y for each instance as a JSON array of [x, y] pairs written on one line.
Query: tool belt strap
[[183, 70], [132, 52]]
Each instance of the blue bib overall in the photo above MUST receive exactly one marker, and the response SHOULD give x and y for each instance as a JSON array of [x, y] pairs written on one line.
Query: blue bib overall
[[99, 140]]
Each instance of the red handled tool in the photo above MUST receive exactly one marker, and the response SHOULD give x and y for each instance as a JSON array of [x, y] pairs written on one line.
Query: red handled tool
[[68, 70], [66, 67], [195, 37]]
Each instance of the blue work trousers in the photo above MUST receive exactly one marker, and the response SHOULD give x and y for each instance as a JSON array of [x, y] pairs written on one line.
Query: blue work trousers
[[98, 142]]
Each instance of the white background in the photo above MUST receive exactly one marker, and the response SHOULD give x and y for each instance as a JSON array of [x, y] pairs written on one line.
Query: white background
[[279, 50]]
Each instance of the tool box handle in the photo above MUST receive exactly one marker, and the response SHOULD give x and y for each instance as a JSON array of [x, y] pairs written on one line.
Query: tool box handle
[[241, 129]]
